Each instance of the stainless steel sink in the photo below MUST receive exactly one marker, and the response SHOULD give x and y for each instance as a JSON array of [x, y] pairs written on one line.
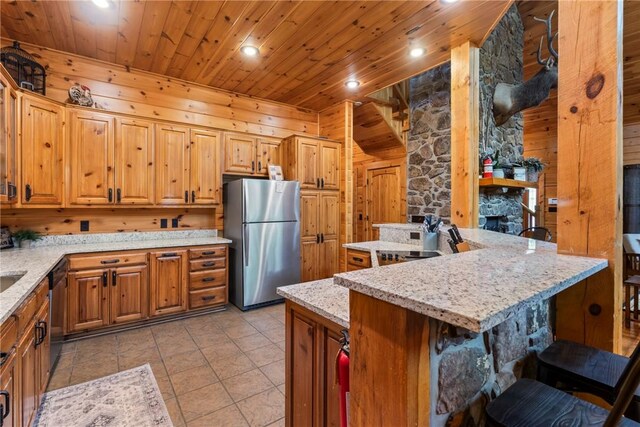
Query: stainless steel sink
[[7, 281]]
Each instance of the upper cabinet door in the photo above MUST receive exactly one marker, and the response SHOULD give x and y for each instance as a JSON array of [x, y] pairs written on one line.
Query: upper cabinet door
[[205, 167], [8, 124], [91, 160], [134, 171], [172, 165], [308, 173], [42, 139], [329, 165], [268, 154], [239, 154]]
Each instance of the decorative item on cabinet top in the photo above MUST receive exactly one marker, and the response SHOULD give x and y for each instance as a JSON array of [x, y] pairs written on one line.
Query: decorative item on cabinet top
[[23, 68], [81, 95]]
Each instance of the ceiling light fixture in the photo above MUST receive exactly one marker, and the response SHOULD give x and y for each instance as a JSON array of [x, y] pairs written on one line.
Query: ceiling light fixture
[[417, 52], [250, 50], [102, 4], [449, 1], [352, 84]]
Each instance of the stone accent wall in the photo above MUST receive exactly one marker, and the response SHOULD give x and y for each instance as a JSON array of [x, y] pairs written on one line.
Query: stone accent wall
[[471, 369], [429, 144], [501, 61]]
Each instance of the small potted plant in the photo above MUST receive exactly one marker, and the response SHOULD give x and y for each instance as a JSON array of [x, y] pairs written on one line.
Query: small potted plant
[[534, 167], [498, 169], [519, 171], [26, 237]]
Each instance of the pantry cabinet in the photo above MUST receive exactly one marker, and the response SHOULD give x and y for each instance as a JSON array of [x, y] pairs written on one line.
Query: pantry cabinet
[[320, 223], [315, 162], [42, 151], [168, 285], [8, 142], [248, 155]]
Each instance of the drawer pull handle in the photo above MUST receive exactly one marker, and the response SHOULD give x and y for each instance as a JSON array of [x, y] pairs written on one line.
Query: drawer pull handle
[[209, 298], [169, 254], [209, 253], [208, 264], [110, 196], [4, 412], [27, 192], [208, 279], [110, 261], [358, 259]]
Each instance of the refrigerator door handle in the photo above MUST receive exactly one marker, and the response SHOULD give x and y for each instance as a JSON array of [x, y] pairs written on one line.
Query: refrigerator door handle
[[246, 245]]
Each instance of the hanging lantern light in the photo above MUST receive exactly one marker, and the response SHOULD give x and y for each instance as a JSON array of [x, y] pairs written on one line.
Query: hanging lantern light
[[23, 67]]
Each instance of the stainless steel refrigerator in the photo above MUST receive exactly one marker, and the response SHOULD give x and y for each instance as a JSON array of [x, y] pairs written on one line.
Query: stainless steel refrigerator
[[262, 218]]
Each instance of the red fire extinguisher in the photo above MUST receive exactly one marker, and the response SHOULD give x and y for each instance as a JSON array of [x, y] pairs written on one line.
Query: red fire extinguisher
[[487, 165], [342, 366]]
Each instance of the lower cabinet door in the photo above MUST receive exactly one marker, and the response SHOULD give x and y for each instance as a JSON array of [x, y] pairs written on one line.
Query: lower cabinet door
[[331, 409], [168, 286], [328, 258], [9, 401], [28, 377], [300, 384], [309, 262], [129, 301], [88, 305], [43, 348]]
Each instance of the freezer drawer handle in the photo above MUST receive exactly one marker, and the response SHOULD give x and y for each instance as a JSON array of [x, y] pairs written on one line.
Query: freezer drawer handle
[[209, 298], [110, 261]]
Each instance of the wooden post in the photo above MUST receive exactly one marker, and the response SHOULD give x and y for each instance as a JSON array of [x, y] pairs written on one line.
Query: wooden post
[[465, 122], [590, 166]]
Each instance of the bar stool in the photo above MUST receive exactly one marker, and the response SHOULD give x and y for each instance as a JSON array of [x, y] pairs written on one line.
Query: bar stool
[[579, 368], [631, 293], [529, 403]]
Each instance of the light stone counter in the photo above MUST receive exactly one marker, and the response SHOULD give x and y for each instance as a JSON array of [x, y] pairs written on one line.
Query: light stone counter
[[322, 297], [37, 262], [379, 245]]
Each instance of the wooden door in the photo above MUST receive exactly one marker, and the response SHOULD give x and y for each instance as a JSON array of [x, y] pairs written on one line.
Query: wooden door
[[42, 148], [134, 157], [28, 379], [329, 250], [205, 167], [8, 146], [239, 154], [43, 348], [300, 382], [268, 154], [384, 200], [309, 210], [91, 158], [309, 260], [329, 165], [9, 378], [168, 290], [308, 172], [88, 305], [129, 301], [172, 165]]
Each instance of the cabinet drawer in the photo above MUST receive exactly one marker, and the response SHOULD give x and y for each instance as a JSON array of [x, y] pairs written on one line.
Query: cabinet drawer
[[81, 262], [358, 258], [207, 264], [208, 297], [8, 337], [207, 279], [211, 252], [25, 313]]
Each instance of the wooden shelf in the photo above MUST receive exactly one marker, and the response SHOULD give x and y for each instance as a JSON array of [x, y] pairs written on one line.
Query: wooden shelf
[[505, 183]]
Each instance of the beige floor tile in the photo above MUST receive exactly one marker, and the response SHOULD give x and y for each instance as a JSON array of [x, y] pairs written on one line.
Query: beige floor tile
[[106, 343], [95, 358], [264, 408], [203, 401], [231, 366], [221, 350], [279, 423], [282, 345], [65, 361], [281, 388], [174, 412], [60, 378], [180, 345], [203, 340], [168, 328], [265, 355], [251, 342], [136, 339], [274, 371], [269, 323], [225, 417], [193, 379], [276, 334], [68, 347], [90, 371], [140, 357], [256, 316], [164, 384], [246, 385], [240, 330], [183, 361]]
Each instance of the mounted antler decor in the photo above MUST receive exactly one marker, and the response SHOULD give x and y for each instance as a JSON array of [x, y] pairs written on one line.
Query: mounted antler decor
[[510, 99]]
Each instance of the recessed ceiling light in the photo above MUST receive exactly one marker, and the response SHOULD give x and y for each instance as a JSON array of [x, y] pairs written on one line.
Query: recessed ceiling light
[[449, 1], [102, 4], [352, 84], [249, 50], [417, 52]]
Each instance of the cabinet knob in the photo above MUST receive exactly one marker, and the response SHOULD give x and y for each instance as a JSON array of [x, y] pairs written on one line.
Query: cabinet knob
[[27, 192], [193, 196], [186, 196], [253, 165], [118, 195], [317, 182], [259, 165], [110, 192], [114, 277], [321, 182], [104, 279]]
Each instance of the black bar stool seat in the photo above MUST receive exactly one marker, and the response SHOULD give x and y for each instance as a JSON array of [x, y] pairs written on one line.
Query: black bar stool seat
[[529, 403], [585, 369]]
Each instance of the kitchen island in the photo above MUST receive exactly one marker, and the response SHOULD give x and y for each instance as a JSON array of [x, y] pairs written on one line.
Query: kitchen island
[[437, 338]]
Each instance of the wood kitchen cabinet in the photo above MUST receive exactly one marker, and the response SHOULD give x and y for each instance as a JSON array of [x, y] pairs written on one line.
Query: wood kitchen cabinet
[[248, 155], [43, 347], [8, 142], [27, 374], [205, 167], [87, 301], [172, 165], [9, 403], [312, 393], [168, 284], [134, 162], [315, 162], [320, 223], [42, 151], [128, 294]]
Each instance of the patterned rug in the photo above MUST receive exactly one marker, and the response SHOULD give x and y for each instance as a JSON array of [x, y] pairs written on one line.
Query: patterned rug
[[126, 399]]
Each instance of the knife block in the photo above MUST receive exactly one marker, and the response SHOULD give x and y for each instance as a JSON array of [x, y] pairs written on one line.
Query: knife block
[[463, 247]]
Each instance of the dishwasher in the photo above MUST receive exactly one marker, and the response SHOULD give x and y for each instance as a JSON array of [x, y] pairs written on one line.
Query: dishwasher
[[57, 297]]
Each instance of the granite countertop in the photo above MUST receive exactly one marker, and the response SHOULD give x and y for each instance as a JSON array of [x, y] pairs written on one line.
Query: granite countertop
[[479, 289], [36, 263], [322, 297]]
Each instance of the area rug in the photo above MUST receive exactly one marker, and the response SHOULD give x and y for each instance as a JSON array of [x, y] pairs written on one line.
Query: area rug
[[126, 399]]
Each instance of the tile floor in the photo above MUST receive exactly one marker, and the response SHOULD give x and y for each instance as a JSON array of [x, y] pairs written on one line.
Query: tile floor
[[220, 369]]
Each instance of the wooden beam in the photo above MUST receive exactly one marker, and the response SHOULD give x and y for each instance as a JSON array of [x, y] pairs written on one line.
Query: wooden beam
[[590, 167], [465, 122]]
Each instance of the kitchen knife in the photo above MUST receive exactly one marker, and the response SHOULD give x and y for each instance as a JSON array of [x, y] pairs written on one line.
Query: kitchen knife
[[453, 246], [458, 236], [454, 238]]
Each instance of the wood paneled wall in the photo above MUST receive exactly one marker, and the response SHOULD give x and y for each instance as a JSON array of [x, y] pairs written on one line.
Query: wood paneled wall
[[67, 221], [337, 123], [631, 145]]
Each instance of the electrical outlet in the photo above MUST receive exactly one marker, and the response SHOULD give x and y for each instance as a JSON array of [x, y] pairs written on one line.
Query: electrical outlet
[[163, 223], [414, 236], [84, 225], [174, 222]]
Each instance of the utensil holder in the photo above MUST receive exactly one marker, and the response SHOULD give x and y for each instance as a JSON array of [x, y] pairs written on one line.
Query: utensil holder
[[430, 241]]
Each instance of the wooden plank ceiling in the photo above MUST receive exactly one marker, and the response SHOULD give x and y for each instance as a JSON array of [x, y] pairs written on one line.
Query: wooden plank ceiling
[[307, 49]]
